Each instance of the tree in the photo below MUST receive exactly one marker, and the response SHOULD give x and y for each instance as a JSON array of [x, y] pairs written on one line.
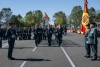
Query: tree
[[34, 17], [39, 16], [76, 15], [1, 14], [19, 17], [20, 21], [14, 20], [6, 14], [97, 19], [30, 18], [92, 14], [60, 18]]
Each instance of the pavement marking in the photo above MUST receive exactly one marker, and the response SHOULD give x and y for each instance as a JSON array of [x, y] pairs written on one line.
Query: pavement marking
[[71, 62], [22, 65], [34, 49], [6, 44]]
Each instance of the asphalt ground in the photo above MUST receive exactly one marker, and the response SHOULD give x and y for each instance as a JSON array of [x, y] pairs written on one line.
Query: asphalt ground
[[70, 54]]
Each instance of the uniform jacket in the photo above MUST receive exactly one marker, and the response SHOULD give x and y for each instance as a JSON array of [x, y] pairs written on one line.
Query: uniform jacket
[[92, 37], [86, 35]]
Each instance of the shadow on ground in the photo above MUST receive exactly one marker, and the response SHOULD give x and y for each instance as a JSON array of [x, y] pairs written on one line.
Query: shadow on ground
[[21, 48], [32, 59]]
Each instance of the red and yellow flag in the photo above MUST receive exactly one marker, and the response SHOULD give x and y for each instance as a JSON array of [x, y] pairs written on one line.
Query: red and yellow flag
[[46, 16], [85, 18]]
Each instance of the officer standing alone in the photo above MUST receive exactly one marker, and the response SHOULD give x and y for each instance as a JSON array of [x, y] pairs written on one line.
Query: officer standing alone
[[92, 40], [11, 40], [87, 46]]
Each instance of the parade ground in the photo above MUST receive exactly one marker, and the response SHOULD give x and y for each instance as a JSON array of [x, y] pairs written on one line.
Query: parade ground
[[70, 54]]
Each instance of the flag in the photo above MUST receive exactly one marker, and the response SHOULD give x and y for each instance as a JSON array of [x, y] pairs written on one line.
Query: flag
[[85, 18], [46, 16]]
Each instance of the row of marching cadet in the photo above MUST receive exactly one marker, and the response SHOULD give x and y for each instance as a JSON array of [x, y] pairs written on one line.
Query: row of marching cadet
[[23, 33]]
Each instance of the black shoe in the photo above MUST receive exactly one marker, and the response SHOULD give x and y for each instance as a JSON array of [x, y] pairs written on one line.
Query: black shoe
[[36, 45], [93, 59], [87, 56], [59, 44], [11, 58]]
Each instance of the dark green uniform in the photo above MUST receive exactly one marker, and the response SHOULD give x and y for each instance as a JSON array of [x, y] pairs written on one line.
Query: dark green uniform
[[11, 40], [92, 40], [87, 46]]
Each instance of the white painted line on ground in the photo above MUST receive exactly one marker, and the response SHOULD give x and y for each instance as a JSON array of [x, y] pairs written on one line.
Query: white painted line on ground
[[71, 62], [34, 49], [22, 65], [6, 44]]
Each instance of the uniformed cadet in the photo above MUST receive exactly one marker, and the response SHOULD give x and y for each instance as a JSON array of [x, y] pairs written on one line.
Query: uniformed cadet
[[92, 40], [1, 34], [29, 33], [18, 33], [36, 33], [41, 33], [16, 36], [4, 32], [56, 33], [87, 46], [44, 33], [49, 34], [11, 40], [60, 33], [65, 30], [24, 33]]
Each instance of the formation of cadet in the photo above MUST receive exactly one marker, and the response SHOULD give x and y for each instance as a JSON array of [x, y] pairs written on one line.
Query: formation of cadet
[[47, 32], [24, 33], [91, 41], [40, 33]]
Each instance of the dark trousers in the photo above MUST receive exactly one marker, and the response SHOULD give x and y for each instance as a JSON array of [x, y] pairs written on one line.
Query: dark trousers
[[59, 39], [44, 36], [94, 50], [11, 46], [88, 49], [49, 40], [0, 42], [39, 38], [29, 36], [36, 39]]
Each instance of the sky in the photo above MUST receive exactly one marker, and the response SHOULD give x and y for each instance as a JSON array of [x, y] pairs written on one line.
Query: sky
[[48, 6]]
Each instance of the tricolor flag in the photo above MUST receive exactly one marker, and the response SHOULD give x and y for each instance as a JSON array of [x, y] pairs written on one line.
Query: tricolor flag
[[46, 16], [85, 18]]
